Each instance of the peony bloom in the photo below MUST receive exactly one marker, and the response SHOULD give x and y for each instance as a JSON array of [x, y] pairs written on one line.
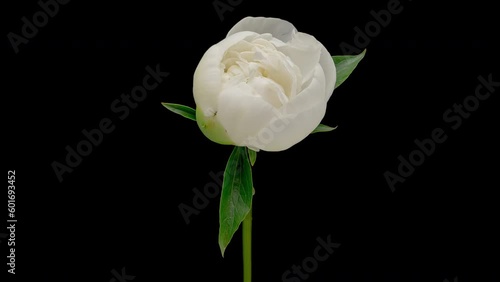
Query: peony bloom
[[264, 86]]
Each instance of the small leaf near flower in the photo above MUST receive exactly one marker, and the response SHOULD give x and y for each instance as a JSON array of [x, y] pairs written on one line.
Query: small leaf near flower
[[323, 128], [252, 155], [182, 110], [345, 65]]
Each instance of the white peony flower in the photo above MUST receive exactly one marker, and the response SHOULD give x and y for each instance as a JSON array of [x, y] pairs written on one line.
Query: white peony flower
[[265, 86]]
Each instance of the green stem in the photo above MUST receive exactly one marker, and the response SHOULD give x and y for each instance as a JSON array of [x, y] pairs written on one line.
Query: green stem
[[247, 247]]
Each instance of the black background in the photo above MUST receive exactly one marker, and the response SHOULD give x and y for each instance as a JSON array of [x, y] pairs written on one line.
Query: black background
[[119, 207]]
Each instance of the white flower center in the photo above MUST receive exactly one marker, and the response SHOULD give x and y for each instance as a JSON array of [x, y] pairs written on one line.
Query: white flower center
[[271, 74]]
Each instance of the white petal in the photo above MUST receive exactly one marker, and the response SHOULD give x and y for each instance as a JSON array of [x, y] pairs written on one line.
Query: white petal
[[305, 51], [242, 113], [282, 70], [311, 95], [269, 90], [300, 116], [279, 28], [330, 71], [207, 80], [296, 128]]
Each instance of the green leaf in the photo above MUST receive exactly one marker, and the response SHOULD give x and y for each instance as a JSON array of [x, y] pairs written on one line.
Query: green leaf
[[345, 65], [323, 128], [252, 155], [236, 196], [182, 110]]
